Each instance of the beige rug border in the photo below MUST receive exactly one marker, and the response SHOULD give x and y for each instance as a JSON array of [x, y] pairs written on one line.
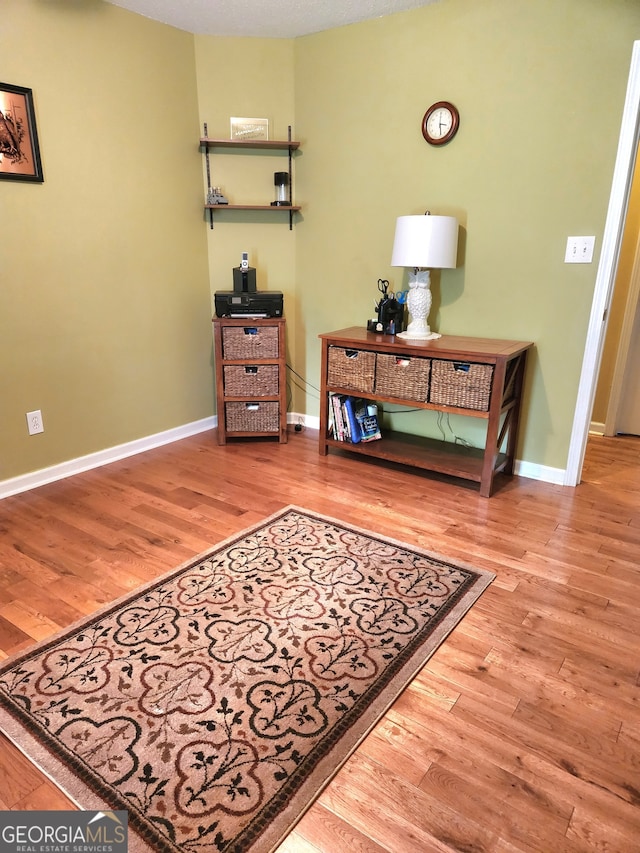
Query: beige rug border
[[327, 768]]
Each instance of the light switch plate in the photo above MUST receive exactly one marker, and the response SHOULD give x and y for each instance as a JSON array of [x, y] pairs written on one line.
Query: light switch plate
[[579, 250]]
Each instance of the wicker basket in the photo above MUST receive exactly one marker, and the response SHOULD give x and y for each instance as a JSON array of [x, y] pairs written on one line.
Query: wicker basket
[[461, 384], [250, 342], [253, 417], [250, 380], [351, 368], [403, 377]]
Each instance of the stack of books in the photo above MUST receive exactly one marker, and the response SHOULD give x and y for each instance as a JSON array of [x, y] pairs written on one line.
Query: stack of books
[[353, 419]]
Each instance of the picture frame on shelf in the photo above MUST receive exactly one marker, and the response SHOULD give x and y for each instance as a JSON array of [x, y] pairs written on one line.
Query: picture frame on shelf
[[249, 128], [19, 147]]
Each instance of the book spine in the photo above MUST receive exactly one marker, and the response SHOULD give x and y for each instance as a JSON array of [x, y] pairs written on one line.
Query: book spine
[[345, 418], [337, 414], [354, 427]]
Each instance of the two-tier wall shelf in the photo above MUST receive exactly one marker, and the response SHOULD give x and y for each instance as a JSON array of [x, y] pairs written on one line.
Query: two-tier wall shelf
[[285, 145]]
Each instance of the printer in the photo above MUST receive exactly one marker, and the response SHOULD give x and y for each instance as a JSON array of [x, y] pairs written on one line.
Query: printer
[[245, 300], [228, 303]]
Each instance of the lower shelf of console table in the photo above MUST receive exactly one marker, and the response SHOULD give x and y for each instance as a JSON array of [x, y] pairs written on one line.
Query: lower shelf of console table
[[430, 454], [503, 361]]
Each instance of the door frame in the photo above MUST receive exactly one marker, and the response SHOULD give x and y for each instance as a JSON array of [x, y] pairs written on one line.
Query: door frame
[[607, 267]]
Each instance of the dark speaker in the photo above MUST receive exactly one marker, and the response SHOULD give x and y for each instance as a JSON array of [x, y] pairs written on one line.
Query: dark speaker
[[244, 281]]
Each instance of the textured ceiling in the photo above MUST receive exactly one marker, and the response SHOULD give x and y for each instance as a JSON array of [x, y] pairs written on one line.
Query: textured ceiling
[[264, 18]]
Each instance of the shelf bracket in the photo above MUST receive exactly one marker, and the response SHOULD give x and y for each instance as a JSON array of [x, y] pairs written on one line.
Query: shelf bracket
[[290, 180], [206, 156]]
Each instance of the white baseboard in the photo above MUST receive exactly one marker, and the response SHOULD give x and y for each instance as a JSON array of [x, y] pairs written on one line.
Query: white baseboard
[[305, 420], [112, 454], [539, 472], [103, 457]]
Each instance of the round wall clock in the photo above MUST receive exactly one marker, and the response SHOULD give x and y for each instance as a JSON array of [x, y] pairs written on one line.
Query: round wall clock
[[440, 123]]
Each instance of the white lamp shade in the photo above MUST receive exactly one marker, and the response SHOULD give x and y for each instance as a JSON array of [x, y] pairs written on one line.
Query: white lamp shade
[[430, 242]]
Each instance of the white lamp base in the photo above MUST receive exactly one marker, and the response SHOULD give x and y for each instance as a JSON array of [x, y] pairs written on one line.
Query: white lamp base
[[419, 305], [418, 334]]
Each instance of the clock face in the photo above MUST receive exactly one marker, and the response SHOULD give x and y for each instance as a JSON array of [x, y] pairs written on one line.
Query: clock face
[[440, 123]]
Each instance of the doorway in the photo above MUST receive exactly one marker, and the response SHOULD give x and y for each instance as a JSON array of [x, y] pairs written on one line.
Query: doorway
[[617, 400], [611, 241], [628, 419]]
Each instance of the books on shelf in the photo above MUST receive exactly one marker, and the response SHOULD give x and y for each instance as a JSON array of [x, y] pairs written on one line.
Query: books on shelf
[[353, 419], [367, 417]]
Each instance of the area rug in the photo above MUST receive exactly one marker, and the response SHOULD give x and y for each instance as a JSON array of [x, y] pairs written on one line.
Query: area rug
[[216, 702]]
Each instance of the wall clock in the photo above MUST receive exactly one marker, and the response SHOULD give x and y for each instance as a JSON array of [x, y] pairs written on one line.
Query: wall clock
[[440, 123]]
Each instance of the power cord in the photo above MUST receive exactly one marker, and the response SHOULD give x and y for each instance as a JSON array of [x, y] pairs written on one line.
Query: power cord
[[301, 387], [300, 425], [444, 416]]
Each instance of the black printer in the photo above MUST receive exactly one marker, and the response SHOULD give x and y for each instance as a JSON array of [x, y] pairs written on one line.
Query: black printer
[[228, 303], [245, 300]]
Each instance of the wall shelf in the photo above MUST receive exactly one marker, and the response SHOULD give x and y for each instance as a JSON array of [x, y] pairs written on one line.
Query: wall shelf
[[208, 142], [286, 145]]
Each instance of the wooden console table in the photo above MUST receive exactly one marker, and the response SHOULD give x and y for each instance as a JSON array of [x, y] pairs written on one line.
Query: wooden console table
[[476, 377]]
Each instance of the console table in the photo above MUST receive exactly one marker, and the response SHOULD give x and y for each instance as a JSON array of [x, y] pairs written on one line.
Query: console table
[[475, 377]]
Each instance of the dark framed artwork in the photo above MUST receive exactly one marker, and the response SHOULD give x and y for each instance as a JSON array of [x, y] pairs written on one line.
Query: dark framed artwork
[[19, 150]]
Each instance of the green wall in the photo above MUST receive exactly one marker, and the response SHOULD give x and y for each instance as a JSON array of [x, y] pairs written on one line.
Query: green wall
[[255, 78], [540, 87], [104, 297], [108, 268]]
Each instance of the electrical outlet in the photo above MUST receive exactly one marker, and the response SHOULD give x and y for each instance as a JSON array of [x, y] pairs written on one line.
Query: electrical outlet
[[34, 422], [579, 250]]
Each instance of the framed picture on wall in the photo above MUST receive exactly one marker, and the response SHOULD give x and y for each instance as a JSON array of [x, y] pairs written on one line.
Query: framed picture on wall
[[249, 128], [19, 150]]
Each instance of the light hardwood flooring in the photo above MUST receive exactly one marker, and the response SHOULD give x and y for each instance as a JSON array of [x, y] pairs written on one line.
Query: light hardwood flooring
[[521, 734]]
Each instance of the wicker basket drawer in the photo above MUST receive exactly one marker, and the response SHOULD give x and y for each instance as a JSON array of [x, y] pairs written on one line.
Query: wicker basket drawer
[[461, 384], [250, 380], [253, 417], [250, 342], [403, 377], [351, 368]]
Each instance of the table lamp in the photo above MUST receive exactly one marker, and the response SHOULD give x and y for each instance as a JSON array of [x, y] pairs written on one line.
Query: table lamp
[[422, 243]]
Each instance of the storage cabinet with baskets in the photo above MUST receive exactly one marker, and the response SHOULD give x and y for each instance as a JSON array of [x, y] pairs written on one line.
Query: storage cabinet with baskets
[[477, 377], [250, 378]]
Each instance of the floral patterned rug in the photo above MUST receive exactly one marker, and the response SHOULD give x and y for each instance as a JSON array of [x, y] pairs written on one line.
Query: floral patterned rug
[[216, 702]]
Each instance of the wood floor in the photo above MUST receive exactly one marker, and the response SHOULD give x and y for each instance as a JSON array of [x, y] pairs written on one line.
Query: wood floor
[[522, 733]]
